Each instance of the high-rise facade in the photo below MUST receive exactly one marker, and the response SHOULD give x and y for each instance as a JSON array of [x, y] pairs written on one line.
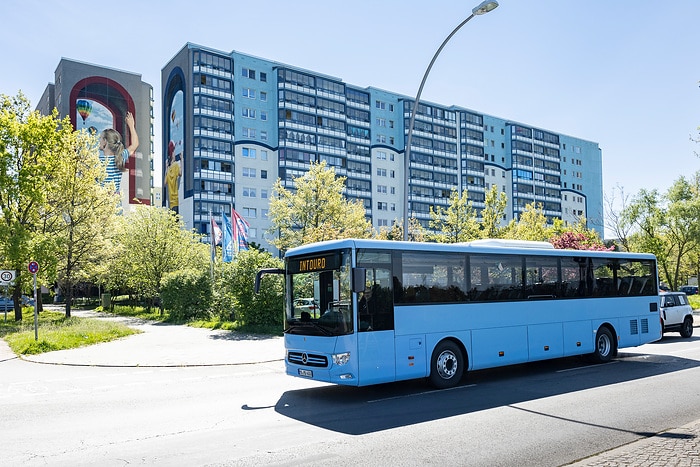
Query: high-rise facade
[[96, 98], [234, 124]]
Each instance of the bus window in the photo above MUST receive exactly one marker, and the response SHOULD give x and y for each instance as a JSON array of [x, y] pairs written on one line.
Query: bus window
[[496, 277], [376, 303], [433, 278], [542, 277]]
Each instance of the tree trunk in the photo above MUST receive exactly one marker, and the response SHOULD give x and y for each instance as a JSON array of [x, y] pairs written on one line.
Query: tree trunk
[[17, 299]]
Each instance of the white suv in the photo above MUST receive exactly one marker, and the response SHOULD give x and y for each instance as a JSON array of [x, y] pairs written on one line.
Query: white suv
[[677, 313]]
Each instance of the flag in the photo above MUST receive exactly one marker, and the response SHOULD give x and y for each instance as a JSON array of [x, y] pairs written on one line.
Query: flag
[[240, 231], [227, 245], [215, 232], [215, 240]]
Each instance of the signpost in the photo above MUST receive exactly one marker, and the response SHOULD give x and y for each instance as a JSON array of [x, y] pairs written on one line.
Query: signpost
[[7, 278], [33, 269]]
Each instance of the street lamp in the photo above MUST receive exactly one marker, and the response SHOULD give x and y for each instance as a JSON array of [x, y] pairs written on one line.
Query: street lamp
[[481, 9]]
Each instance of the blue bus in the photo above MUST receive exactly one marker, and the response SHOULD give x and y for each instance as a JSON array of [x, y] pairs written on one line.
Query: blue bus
[[361, 312]]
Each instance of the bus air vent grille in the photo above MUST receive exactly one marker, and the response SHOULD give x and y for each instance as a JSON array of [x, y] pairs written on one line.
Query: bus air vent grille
[[307, 359], [645, 326], [634, 327]]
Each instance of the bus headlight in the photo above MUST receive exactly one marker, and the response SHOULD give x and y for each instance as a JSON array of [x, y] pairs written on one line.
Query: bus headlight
[[341, 358]]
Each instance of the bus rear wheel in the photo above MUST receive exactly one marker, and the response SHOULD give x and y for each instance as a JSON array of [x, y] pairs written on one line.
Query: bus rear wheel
[[604, 346], [446, 365]]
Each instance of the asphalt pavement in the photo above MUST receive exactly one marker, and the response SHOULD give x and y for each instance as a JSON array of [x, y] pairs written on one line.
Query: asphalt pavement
[[163, 345]]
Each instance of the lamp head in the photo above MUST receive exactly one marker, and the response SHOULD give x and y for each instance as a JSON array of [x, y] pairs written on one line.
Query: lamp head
[[484, 7]]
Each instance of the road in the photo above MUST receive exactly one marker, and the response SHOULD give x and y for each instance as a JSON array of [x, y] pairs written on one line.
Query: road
[[545, 414]]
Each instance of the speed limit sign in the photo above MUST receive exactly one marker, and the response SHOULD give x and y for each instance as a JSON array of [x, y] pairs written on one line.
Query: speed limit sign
[[33, 267], [6, 277]]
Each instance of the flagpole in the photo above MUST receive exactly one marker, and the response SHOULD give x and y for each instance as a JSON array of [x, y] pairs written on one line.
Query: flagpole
[[212, 246]]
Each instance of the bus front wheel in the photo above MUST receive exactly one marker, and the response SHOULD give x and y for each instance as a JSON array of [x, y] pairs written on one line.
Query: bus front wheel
[[604, 346], [446, 365]]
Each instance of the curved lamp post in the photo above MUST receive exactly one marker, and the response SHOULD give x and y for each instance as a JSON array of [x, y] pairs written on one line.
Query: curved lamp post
[[481, 9]]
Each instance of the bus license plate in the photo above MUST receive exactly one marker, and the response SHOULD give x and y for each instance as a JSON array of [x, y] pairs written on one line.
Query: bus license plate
[[306, 373]]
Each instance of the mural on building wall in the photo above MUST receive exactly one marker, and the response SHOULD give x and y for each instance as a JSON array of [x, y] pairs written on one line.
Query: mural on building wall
[[104, 107], [91, 115], [174, 157]]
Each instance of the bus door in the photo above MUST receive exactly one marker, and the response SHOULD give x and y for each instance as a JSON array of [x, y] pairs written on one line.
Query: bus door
[[375, 319]]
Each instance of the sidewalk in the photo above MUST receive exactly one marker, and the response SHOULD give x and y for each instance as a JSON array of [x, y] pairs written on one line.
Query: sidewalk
[[163, 345], [676, 447]]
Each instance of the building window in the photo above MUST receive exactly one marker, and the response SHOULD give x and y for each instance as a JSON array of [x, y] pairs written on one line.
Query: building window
[[263, 174], [381, 189], [381, 172], [248, 73], [381, 122], [263, 96], [250, 213], [263, 136], [249, 173], [381, 155], [263, 115], [263, 193], [249, 93], [263, 155], [249, 153], [263, 77], [248, 112], [382, 206], [249, 192]]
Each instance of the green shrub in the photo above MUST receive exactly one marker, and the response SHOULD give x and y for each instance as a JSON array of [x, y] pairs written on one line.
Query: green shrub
[[186, 294], [236, 293]]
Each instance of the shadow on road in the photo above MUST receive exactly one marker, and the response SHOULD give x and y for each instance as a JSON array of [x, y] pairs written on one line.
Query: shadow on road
[[357, 411]]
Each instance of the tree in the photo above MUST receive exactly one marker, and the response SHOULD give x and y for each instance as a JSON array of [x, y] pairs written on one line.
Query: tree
[[31, 145], [80, 213], [577, 237], [682, 227], [532, 225], [457, 223], [315, 211], [265, 307], [493, 213], [615, 220], [152, 242]]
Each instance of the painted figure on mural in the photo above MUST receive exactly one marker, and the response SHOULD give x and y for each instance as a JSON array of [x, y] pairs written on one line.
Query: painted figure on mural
[[172, 178], [115, 153]]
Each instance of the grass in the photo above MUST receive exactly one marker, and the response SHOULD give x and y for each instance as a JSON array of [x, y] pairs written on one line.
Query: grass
[[694, 301], [56, 332]]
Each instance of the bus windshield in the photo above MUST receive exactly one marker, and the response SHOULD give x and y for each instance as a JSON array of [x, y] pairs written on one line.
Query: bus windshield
[[319, 294]]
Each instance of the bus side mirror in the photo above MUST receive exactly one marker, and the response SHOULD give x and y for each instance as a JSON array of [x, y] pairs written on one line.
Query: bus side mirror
[[262, 272], [359, 279]]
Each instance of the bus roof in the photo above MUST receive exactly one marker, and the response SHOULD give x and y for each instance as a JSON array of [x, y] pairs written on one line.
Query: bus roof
[[501, 246]]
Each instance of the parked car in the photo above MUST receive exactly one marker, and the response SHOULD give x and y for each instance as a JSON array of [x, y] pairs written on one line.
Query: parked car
[[6, 304], [306, 304], [677, 314], [689, 289]]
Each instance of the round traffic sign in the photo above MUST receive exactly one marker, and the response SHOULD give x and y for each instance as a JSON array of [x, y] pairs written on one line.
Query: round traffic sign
[[6, 276], [33, 267]]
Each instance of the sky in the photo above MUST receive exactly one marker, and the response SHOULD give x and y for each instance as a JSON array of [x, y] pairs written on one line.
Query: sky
[[623, 73]]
